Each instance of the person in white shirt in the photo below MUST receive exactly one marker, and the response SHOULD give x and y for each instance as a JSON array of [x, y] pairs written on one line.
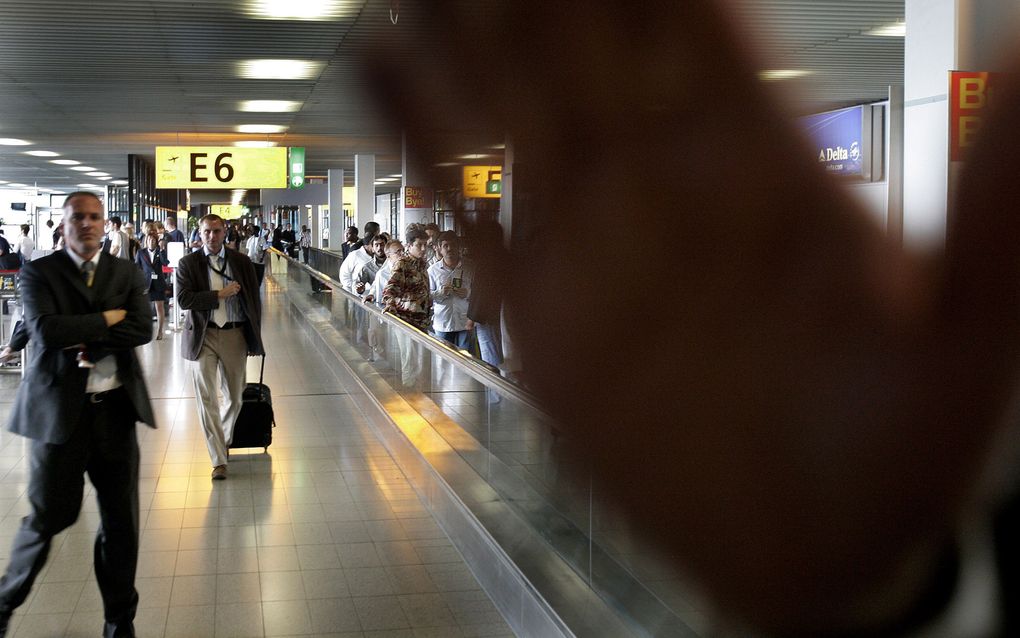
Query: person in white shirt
[[354, 260], [255, 248], [365, 274], [306, 242], [394, 250], [116, 240], [25, 245], [450, 287]]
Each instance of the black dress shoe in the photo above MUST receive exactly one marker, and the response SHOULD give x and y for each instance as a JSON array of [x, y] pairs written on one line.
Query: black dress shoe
[[5, 620]]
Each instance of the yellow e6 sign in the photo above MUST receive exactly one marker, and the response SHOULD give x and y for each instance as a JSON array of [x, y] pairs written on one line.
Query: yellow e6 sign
[[220, 167]]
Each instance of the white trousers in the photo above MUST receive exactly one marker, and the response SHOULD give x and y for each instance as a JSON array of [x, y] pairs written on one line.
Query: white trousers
[[221, 366]]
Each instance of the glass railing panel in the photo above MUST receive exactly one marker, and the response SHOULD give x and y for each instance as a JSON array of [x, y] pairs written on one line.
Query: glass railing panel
[[500, 432]]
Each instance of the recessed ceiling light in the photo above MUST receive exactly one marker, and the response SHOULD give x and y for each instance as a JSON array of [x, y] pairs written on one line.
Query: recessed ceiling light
[[13, 141], [17, 185], [106, 178], [278, 69], [269, 106], [397, 175], [42, 153], [83, 169], [783, 74], [893, 30], [299, 9], [87, 186], [119, 182], [97, 174], [254, 144], [261, 128], [65, 162]]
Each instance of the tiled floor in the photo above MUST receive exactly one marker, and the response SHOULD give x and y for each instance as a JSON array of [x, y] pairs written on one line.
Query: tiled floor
[[323, 536]]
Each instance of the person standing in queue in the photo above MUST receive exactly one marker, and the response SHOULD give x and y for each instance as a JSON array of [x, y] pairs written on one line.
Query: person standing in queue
[[81, 302], [223, 325]]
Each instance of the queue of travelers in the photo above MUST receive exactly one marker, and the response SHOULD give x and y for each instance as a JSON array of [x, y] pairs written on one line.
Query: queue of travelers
[[427, 281]]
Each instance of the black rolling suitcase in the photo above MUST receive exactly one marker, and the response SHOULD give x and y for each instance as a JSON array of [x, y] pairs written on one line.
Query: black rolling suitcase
[[255, 423]]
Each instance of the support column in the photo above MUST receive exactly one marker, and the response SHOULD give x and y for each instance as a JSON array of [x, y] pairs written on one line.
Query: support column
[[364, 185], [335, 177], [415, 190], [942, 36]]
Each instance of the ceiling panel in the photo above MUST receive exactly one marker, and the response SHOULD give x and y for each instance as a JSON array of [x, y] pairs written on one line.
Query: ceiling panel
[[95, 81]]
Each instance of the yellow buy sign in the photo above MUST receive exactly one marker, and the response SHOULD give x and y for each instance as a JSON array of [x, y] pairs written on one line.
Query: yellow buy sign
[[199, 167]]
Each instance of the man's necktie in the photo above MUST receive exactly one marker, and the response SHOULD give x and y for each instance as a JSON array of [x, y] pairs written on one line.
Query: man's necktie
[[88, 271]]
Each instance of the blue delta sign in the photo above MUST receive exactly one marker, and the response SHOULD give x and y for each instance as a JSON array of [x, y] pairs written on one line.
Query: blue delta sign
[[837, 140]]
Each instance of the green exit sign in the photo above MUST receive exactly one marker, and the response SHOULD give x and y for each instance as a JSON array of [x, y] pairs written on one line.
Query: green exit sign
[[493, 187]]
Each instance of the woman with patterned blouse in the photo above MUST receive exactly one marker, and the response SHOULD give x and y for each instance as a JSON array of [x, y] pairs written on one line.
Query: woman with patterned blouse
[[407, 293]]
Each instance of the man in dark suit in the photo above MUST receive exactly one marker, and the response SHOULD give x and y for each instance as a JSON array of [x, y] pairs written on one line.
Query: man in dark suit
[[85, 311], [218, 288]]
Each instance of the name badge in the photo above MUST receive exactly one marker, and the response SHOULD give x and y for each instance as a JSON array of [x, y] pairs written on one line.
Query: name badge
[[155, 276]]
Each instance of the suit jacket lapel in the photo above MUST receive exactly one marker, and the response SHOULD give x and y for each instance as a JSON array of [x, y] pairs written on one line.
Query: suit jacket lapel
[[73, 275]]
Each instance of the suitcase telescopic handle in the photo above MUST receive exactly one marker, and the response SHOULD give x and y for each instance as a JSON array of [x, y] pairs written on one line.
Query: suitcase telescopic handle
[[262, 370]]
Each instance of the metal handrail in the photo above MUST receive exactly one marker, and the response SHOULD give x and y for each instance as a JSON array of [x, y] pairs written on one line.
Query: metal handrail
[[470, 365]]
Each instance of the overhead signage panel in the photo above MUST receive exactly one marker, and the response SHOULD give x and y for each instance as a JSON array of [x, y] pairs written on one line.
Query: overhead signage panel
[[483, 181], [228, 211], [198, 167], [838, 140]]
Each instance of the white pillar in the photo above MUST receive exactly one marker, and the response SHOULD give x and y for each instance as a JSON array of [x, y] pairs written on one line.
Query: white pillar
[[336, 208], [364, 185], [415, 191], [942, 36]]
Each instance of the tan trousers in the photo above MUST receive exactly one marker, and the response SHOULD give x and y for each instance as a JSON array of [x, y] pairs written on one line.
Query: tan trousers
[[224, 355]]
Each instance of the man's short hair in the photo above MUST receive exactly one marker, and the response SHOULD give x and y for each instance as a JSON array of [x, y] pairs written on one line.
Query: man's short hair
[[25, 228], [115, 221], [172, 221], [432, 226], [354, 228], [392, 245], [67, 200], [383, 238], [371, 228], [414, 234], [448, 236], [212, 218]]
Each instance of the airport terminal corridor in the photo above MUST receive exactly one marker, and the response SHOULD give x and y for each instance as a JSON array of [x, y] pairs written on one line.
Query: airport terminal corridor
[[321, 536]]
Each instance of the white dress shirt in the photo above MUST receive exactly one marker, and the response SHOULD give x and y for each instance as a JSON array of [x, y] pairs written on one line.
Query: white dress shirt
[[379, 283], [229, 308], [26, 247], [449, 310], [354, 260], [103, 377]]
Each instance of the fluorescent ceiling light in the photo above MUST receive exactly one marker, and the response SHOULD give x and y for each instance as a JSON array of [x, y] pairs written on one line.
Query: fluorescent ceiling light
[[298, 9], [254, 144], [106, 178], [268, 106], [397, 175], [447, 164], [16, 185], [13, 141], [498, 147], [87, 186], [278, 69], [3, 182], [65, 162], [83, 169], [97, 174], [261, 128], [895, 30], [387, 179], [783, 74], [119, 182], [42, 153]]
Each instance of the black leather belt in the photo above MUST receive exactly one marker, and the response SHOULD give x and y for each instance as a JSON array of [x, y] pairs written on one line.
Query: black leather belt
[[99, 397], [230, 325]]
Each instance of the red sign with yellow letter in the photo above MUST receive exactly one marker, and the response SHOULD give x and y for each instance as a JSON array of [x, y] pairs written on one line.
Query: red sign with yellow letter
[[969, 97]]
